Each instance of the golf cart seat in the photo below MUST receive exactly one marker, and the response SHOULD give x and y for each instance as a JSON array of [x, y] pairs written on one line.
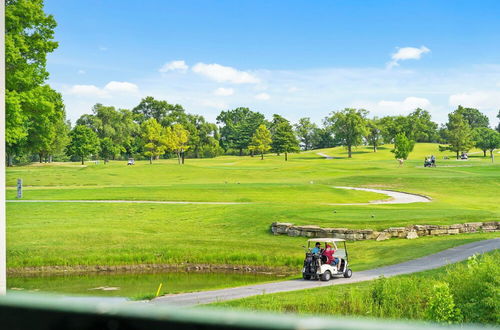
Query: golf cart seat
[[340, 253]]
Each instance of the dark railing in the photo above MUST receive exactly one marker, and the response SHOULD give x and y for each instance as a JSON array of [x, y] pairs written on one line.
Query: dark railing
[[36, 311]]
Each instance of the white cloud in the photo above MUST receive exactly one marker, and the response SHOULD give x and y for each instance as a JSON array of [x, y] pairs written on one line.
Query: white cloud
[[81, 72], [87, 90], [408, 104], [179, 65], [121, 87], [263, 96], [113, 87], [221, 91], [222, 73], [480, 99], [407, 53], [218, 105]]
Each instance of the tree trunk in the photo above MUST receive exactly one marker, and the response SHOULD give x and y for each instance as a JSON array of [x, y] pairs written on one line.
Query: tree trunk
[[178, 158], [50, 159], [484, 152], [261, 156], [286, 156], [40, 157], [374, 148], [457, 154], [151, 159], [83, 162], [349, 151], [9, 159], [241, 151], [183, 156]]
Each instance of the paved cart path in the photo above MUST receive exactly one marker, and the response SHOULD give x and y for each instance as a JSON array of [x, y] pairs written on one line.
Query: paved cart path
[[425, 263], [396, 197]]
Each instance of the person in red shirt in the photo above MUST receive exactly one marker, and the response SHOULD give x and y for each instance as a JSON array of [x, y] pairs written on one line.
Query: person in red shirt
[[328, 253]]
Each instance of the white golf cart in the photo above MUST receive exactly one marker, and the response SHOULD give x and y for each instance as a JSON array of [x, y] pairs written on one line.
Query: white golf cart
[[316, 266]]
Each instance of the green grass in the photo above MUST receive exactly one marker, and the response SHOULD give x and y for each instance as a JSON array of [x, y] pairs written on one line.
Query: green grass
[[473, 290], [295, 191]]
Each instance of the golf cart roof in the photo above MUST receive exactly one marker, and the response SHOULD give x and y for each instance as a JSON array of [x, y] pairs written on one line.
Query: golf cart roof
[[326, 240]]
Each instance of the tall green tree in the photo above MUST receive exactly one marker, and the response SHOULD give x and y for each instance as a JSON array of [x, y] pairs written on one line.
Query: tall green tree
[[203, 137], [402, 146], [164, 113], [45, 109], [240, 125], [84, 143], [307, 132], [486, 139], [153, 138], [29, 37], [420, 127], [498, 126], [349, 127], [374, 136], [284, 139], [474, 117], [458, 134], [261, 140]]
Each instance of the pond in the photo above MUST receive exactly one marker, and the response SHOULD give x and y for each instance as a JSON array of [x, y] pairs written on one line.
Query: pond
[[135, 285]]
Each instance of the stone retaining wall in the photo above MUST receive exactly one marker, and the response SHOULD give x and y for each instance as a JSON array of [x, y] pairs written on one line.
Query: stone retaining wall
[[409, 232]]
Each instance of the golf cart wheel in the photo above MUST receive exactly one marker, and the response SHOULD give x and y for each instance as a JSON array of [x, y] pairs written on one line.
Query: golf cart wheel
[[306, 277], [348, 273], [326, 276]]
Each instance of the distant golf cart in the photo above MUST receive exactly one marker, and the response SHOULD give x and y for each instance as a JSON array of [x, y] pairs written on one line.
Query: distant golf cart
[[131, 161], [316, 266]]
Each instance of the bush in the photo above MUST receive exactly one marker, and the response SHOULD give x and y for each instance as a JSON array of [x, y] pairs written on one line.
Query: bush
[[441, 307]]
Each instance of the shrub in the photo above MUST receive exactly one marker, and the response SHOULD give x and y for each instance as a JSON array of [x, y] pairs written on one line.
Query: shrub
[[441, 307]]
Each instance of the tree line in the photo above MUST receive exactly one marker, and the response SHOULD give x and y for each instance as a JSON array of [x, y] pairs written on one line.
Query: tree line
[[37, 128]]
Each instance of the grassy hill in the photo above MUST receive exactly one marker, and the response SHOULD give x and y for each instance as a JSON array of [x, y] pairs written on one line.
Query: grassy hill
[[296, 191]]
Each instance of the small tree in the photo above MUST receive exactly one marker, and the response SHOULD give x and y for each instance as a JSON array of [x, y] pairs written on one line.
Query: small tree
[[284, 139], [458, 134], [152, 135], [261, 140], [84, 142], [486, 139], [402, 146], [176, 139]]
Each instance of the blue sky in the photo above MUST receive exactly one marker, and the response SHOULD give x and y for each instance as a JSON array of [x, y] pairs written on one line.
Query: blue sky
[[296, 58]]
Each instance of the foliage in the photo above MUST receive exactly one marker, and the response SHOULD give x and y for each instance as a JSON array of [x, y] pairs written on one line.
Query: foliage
[[441, 307], [284, 140], [154, 139], [32, 110], [175, 139], [307, 133], [486, 139], [402, 146], [240, 125], [349, 126], [458, 134], [374, 135], [474, 117], [261, 140], [464, 292], [84, 142], [164, 113]]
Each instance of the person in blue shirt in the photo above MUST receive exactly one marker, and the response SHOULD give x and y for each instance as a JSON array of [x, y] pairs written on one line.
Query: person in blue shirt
[[317, 248]]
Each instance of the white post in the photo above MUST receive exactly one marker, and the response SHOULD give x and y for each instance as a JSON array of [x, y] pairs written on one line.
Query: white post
[[3, 246]]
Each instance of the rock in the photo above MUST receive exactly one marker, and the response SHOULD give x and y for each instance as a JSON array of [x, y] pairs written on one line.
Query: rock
[[453, 231], [438, 232], [412, 235], [383, 236]]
